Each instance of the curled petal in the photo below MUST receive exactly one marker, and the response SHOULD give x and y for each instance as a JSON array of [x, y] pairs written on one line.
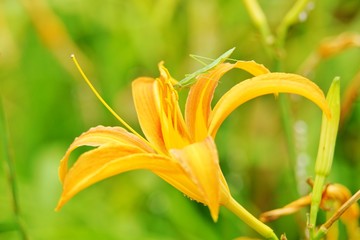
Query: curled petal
[[341, 194], [262, 85], [201, 164], [251, 67], [198, 104], [286, 210], [99, 136], [109, 160]]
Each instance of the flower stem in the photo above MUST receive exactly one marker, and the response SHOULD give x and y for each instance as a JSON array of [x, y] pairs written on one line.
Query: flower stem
[[290, 18], [250, 220], [260, 21], [10, 169], [276, 53]]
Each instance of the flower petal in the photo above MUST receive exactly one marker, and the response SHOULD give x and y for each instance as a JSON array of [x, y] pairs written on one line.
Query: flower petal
[[109, 160], [159, 114], [261, 85], [101, 135], [198, 104], [200, 162], [173, 126], [147, 110], [181, 181]]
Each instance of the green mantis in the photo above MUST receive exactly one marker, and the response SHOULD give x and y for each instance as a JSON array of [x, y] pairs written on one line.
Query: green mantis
[[191, 78]]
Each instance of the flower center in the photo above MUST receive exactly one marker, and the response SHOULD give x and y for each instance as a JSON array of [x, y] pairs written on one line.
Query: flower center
[[173, 127]]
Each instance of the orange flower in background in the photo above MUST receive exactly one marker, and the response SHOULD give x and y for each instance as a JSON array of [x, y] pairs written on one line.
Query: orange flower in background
[[180, 150]]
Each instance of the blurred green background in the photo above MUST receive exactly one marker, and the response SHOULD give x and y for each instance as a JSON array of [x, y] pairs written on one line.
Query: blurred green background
[[46, 105]]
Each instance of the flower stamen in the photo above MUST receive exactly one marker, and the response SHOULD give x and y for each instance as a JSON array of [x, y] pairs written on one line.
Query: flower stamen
[[97, 94]]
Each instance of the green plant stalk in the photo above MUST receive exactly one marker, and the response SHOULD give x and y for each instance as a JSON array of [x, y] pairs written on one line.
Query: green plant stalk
[[250, 220], [329, 128], [259, 19], [9, 167], [290, 18], [287, 124]]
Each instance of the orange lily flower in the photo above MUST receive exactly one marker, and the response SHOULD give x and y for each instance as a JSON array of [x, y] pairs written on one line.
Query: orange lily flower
[[179, 150]]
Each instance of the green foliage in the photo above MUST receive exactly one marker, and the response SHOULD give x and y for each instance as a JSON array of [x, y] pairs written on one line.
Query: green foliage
[[47, 105]]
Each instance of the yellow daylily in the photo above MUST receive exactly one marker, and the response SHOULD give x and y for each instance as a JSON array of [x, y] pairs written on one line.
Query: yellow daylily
[[179, 150]]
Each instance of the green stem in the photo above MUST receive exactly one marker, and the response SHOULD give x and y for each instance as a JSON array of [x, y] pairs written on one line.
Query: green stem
[[9, 167], [285, 112], [259, 19], [290, 18], [315, 201], [250, 220], [288, 126]]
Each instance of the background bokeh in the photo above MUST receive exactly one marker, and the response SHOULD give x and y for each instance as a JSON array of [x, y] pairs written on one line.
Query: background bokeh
[[46, 105]]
